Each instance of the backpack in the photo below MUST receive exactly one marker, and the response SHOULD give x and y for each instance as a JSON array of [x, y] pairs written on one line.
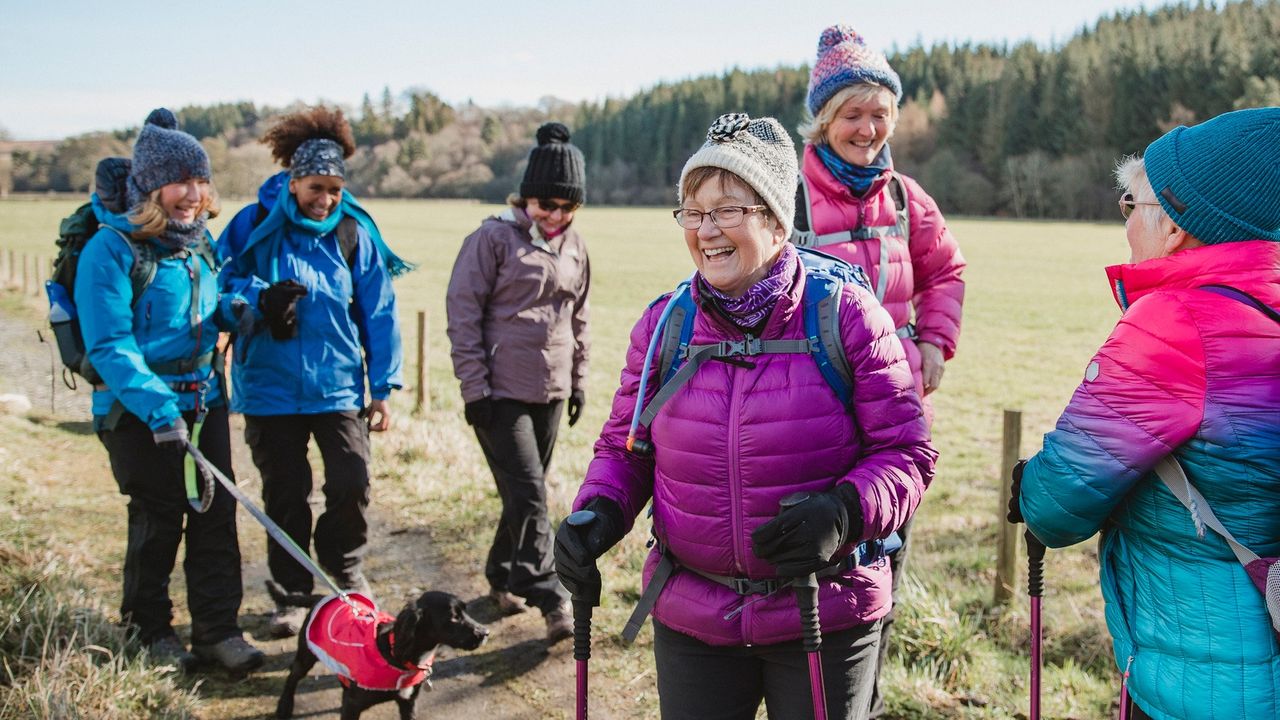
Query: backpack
[[825, 277], [900, 230], [73, 234]]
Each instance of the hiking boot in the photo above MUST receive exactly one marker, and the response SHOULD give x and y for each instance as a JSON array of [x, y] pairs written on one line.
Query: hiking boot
[[507, 603], [235, 654], [559, 624], [286, 621], [169, 650]]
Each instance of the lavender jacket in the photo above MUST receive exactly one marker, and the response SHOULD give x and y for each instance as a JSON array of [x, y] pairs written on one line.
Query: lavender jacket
[[517, 308], [735, 440]]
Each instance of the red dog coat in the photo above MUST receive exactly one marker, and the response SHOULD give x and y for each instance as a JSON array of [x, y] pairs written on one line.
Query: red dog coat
[[344, 639]]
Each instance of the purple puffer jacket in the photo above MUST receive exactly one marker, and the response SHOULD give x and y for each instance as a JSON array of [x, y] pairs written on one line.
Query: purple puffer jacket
[[736, 440]]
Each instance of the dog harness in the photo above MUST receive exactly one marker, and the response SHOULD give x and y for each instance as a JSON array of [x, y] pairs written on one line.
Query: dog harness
[[345, 640]]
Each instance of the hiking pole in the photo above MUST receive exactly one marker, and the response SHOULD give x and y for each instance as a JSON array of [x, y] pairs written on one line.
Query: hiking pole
[[274, 530], [1035, 588], [582, 607], [806, 591]]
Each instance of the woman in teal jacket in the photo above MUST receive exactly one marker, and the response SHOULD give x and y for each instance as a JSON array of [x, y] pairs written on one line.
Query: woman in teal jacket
[[1195, 374], [154, 353], [308, 281]]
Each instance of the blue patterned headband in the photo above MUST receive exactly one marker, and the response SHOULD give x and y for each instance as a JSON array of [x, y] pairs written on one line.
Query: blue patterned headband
[[317, 156]]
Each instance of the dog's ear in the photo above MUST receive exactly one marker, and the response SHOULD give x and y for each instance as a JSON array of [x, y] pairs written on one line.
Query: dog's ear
[[406, 629]]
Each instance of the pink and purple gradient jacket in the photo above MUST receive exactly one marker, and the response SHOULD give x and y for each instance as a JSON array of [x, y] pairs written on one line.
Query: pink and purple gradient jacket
[[1195, 374], [736, 439], [922, 275]]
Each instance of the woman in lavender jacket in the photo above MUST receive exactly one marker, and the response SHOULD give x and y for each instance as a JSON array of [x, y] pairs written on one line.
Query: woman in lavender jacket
[[741, 435]]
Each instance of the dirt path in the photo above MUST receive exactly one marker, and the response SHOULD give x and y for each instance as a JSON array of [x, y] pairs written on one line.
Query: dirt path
[[513, 676]]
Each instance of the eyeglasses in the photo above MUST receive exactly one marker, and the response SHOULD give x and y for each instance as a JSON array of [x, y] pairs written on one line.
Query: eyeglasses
[[729, 216], [550, 206], [1127, 204]]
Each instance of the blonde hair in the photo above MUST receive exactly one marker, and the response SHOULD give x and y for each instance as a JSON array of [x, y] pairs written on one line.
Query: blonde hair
[[150, 217], [814, 128], [1131, 176]]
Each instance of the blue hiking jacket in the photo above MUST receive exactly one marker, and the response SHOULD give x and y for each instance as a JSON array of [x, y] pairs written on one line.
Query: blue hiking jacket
[[348, 327], [123, 337]]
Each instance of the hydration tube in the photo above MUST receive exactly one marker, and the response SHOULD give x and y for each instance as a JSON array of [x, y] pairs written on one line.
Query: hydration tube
[[648, 361]]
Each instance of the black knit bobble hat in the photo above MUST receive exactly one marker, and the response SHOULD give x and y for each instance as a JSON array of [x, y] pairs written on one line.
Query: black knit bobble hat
[[555, 168]]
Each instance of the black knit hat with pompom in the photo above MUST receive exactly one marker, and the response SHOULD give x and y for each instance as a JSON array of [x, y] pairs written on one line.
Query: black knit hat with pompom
[[555, 168]]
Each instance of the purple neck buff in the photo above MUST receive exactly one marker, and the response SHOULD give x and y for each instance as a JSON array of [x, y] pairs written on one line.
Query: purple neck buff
[[757, 302]]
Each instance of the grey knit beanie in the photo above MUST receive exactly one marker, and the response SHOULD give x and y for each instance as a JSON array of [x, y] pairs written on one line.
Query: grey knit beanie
[[1218, 180], [760, 152], [556, 168], [164, 154]]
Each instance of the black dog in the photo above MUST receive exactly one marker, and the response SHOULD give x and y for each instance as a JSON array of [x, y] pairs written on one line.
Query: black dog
[[403, 647]]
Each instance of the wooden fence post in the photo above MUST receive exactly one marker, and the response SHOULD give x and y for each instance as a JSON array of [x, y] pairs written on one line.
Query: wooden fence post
[[1007, 543], [421, 400], [26, 277]]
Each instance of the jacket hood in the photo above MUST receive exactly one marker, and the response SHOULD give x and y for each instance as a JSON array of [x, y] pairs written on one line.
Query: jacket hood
[[270, 190]]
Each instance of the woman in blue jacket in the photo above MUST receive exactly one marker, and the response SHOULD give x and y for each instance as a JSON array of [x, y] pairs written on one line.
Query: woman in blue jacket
[[308, 280], [153, 347]]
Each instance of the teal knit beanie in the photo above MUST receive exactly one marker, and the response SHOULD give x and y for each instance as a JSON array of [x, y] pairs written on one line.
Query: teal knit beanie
[[1220, 180]]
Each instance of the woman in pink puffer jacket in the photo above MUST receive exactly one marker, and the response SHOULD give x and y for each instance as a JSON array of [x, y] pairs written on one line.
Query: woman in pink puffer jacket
[[854, 206], [741, 435]]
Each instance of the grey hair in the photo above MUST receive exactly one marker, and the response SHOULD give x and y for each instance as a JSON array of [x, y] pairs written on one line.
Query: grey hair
[[1131, 176]]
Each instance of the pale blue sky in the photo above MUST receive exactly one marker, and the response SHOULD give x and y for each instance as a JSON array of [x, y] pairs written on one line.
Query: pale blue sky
[[71, 67]]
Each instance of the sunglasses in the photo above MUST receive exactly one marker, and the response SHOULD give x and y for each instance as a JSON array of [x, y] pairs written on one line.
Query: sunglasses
[[1127, 204], [550, 206]]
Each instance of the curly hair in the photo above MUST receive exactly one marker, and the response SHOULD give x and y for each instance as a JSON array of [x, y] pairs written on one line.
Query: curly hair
[[318, 122]]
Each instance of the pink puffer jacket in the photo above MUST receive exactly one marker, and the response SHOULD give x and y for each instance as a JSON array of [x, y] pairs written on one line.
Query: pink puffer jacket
[[735, 440], [922, 276]]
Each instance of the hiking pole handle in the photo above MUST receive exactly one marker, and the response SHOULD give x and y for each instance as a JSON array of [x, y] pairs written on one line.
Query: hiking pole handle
[[1035, 588], [1035, 564], [806, 592], [582, 609]]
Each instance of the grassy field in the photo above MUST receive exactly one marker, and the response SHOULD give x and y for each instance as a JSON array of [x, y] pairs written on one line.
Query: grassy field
[[1037, 306]]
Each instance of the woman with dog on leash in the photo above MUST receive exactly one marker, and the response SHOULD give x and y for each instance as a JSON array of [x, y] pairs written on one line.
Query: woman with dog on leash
[[517, 307], [738, 436], [154, 349], [308, 277], [1183, 399], [854, 205]]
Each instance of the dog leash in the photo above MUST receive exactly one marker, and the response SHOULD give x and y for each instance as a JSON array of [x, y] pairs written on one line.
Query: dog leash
[[273, 530]]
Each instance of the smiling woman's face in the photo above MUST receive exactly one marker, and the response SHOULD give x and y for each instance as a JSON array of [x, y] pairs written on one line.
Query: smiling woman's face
[[861, 127], [731, 260]]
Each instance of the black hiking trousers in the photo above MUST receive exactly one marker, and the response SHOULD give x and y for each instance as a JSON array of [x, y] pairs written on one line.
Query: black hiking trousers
[[517, 443], [160, 518], [697, 681], [279, 447]]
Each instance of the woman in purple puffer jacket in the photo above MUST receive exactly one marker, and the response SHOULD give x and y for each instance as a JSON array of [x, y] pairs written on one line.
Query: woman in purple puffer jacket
[[741, 435]]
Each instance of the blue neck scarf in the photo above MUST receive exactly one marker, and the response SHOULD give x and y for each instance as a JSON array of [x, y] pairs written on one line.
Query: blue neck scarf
[[857, 178], [285, 212]]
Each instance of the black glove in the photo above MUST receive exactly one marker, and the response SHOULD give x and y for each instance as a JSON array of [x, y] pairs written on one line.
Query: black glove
[[171, 437], [479, 412], [802, 538], [578, 546], [1015, 494], [577, 399], [279, 305]]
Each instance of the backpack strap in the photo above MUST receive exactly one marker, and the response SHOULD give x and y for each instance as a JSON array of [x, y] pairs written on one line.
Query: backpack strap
[[1234, 293], [822, 326], [1170, 472], [348, 240]]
